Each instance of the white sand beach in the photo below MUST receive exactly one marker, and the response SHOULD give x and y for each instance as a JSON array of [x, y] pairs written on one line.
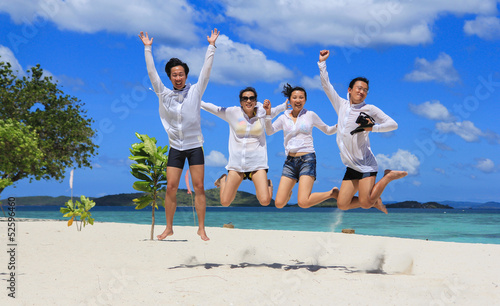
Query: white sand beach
[[116, 264]]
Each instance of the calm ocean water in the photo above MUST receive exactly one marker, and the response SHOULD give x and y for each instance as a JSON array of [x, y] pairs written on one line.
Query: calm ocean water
[[456, 225]]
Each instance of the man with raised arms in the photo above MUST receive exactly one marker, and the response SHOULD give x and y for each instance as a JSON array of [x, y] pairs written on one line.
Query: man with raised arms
[[356, 120]]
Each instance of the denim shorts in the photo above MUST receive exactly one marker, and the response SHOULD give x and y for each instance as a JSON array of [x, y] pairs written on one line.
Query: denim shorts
[[301, 165]]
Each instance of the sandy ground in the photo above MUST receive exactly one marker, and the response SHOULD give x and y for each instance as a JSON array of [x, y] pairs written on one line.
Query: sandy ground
[[116, 264]]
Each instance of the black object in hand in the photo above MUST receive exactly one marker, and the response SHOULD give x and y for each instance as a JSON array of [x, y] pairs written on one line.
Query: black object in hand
[[363, 122]]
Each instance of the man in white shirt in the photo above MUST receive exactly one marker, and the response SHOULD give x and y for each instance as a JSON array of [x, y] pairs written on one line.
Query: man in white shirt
[[356, 120], [180, 115]]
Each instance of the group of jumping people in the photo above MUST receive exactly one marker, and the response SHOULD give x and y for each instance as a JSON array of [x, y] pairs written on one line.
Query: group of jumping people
[[249, 122]]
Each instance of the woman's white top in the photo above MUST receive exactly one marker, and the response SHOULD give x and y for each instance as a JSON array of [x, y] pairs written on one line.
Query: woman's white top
[[298, 134], [180, 109], [355, 150], [247, 140]]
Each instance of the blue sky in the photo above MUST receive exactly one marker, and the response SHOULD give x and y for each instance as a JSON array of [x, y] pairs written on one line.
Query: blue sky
[[433, 67]]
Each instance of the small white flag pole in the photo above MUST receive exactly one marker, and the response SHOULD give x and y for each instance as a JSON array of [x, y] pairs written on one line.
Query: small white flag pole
[[71, 183]]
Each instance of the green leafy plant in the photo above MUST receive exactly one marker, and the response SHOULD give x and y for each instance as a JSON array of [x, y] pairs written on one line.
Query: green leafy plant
[[43, 131], [150, 169], [20, 147], [77, 209]]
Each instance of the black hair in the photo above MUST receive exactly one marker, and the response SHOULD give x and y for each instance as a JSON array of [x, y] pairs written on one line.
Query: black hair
[[174, 62], [362, 79], [288, 89], [248, 89]]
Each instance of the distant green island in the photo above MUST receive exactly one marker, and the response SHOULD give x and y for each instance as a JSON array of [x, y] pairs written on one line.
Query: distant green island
[[243, 199]]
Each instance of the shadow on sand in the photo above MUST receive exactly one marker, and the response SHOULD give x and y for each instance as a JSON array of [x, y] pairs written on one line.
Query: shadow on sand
[[286, 267]]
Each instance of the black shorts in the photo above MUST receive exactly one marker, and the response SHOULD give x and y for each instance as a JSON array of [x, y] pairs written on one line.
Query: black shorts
[[351, 174], [177, 158]]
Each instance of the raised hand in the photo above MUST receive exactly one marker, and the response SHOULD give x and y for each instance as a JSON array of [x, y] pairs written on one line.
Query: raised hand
[[288, 104], [145, 39], [323, 55], [212, 38], [267, 106]]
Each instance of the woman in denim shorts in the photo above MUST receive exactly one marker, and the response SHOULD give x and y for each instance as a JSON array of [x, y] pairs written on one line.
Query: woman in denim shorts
[[300, 164]]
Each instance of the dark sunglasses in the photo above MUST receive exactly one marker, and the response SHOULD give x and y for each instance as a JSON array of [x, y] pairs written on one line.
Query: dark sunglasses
[[251, 99]]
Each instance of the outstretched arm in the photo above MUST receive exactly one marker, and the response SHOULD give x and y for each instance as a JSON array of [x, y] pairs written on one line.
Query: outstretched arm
[[386, 123], [328, 130], [275, 111], [150, 65], [325, 81], [214, 109], [271, 127], [207, 65]]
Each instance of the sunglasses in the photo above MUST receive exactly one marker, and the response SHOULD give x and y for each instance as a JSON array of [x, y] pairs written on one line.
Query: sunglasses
[[251, 99]]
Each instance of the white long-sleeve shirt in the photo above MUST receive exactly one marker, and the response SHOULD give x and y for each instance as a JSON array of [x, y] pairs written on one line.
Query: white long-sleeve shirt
[[180, 109], [355, 150], [247, 140], [298, 134]]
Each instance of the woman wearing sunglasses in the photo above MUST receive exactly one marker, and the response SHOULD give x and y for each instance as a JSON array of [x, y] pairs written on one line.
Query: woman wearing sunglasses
[[247, 146]]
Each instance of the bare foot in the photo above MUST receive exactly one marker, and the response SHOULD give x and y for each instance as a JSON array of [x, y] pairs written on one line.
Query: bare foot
[[203, 234], [334, 193], [217, 182], [167, 232], [380, 206], [394, 175]]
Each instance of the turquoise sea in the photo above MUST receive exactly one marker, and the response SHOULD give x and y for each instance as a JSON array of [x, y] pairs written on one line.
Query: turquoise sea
[[455, 225]]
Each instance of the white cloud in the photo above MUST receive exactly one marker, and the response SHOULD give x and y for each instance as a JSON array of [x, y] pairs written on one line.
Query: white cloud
[[73, 83], [433, 110], [311, 83], [465, 129], [207, 123], [485, 27], [356, 23], [278, 25], [441, 70], [440, 170], [171, 21], [7, 56], [215, 159], [485, 165], [401, 160], [491, 137], [234, 63]]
